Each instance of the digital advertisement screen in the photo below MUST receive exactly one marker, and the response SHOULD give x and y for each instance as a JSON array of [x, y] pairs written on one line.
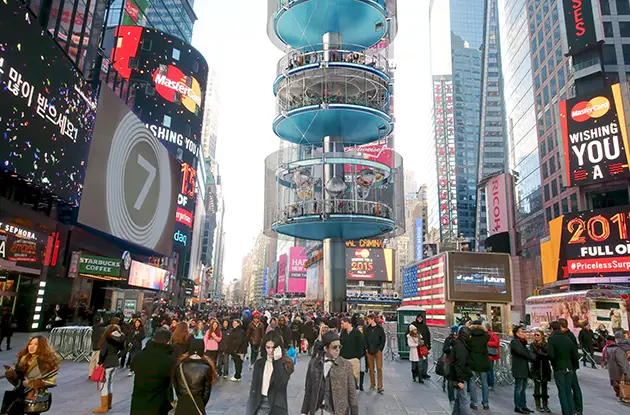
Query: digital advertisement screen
[[479, 276], [595, 242], [171, 77], [282, 274], [147, 276], [22, 246], [369, 264], [581, 32], [595, 137], [297, 272], [132, 181], [47, 110]]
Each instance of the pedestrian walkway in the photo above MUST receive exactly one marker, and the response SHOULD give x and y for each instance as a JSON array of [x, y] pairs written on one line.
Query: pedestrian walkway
[[76, 396]]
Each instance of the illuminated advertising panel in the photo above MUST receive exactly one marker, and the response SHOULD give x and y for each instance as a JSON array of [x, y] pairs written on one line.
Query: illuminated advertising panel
[[479, 276], [595, 243], [272, 284], [47, 109], [22, 246], [595, 137], [132, 181], [171, 77], [282, 274], [297, 272], [497, 205], [419, 240], [581, 31], [264, 284], [444, 132], [369, 264], [147, 276], [424, 286]]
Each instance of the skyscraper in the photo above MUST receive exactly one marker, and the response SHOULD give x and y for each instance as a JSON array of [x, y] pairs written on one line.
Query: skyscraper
[[468, 112], [211, 116]]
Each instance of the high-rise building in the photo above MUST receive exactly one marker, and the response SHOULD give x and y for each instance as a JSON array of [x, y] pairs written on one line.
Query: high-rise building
[[211, 116], [468, 112]]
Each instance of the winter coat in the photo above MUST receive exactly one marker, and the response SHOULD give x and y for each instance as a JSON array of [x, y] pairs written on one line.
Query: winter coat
[[237, 342], [197, 376], [459, 356], [110, 352], [541, 368], [225, 339], [135, 338], [412, 342], [212, 340], [352, 344], [344, 394], [479, 359], [521, 357], [97, 332], [496, 343], [586, 340], [562, 351], [179, 349], [277, 392], [286, 334], [153, 368], [255, 332], [617, 363], [448, 344], [309, 332], [424, 331], [374, 338]]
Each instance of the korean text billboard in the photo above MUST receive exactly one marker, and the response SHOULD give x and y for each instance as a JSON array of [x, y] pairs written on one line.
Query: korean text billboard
[[132, 181], [497, 205], [297, 272], [369, 264], [595, 137], [47, 109]]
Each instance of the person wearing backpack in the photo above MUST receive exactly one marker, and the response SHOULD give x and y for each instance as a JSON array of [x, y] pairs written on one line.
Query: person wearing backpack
[[459, 373]]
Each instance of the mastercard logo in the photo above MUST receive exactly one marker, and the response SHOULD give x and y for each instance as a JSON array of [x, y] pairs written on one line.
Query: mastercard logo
[[362, 253], [173, 85], [585, 110]]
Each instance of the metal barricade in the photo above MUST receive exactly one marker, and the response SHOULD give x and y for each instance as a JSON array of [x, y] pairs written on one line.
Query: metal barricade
[[72, 343]]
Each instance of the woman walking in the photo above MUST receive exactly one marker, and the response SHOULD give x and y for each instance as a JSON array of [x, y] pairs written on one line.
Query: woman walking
[[211, 339], [111, 346], [268, 392], [318, 346], [541, 371], [223, 357], [35, 372], [134, 339], [237, 347], [180, 341], [193, 379], [198, 332]]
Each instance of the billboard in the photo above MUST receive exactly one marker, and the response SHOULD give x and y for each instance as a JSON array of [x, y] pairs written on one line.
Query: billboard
[[47, 109], [581, 30], [369, 264], [424, 285], [99, 266], [595, 137], [131, 182], [595, 243], [497, 205], [297, 272], [419, 240], [479, 276], [171, 79], [147, 276], [282, 274], [264, 284], [272, 284], [24, 247]]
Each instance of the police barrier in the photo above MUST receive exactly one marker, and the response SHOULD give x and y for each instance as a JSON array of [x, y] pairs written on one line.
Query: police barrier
[[72, 343]]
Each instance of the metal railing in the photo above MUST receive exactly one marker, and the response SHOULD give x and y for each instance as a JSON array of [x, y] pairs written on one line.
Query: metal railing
[[72, 343]]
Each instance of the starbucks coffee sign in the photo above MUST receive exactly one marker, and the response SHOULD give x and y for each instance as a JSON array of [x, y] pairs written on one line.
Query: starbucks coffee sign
[[98, 265]]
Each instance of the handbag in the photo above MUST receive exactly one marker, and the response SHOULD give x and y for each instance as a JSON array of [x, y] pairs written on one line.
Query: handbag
[[38, 402], [423, 350], [493, 351], [98, 376], [181, 371], [10, 399]]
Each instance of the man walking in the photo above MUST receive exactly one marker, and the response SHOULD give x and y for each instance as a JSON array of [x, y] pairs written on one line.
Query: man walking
[[586, 341], [424, 331], [459, 373], [352, 346], [575, 384], [374, 336], [153, 368], [479, 364], [255, 333], [330, 387], [563, 355]]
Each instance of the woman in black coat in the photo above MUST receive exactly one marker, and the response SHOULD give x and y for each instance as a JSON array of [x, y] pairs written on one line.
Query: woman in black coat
[[541, 371], [309, 334], [268, 392], [194, 372], [237, 347], [134, 342]]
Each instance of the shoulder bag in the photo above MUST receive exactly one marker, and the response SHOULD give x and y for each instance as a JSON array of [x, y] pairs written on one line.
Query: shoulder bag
[[181, 371]]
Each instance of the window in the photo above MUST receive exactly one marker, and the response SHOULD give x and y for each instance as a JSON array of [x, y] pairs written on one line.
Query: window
[[623, 7], [609, 55], [608, 29], [556, 210], [552, 165], [554, 188], [545, 171], [548, 213], [547, 196], [574, 204], [543, 149], [626, 53], [605, 7], [624, 29], [565, 205]]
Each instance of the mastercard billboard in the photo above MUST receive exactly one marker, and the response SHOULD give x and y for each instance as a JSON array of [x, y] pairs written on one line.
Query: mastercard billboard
[[595, 137]]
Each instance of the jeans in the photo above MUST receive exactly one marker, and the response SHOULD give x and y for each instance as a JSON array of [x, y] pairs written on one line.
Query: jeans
[[520, 398], [540, 390], [223, 364], [254, 353], [109, 381], [577, 393], [450, 389], [461, 405], [238, 365], [491, 375], [565, 394], [474, 387]]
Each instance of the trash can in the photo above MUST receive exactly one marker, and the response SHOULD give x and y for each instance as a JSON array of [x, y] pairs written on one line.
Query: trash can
[[406, 315]]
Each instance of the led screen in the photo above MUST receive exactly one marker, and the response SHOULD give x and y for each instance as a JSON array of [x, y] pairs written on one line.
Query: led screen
[[146, 276], [371, 264]]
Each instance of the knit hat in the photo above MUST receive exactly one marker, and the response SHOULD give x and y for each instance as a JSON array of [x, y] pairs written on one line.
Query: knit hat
[[329, 337], [620, 335], [454, 329], [476, 323], [412, 327], [256, 314]]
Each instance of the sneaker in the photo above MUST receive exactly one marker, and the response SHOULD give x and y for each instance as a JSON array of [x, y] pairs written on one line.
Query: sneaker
[[473, 407], [233, 379], [225, 376], [130, 373], [486, 407], [491, 389]]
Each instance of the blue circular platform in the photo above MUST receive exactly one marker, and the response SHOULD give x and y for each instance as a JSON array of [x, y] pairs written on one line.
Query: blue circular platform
[[360, 22], [356, 124], [346, 227]]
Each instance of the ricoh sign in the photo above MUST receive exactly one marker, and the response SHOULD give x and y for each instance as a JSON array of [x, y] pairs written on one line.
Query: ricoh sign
[[497, 205], [595, 137]]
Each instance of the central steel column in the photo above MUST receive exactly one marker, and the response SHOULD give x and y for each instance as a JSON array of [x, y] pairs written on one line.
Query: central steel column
[[335, 276]]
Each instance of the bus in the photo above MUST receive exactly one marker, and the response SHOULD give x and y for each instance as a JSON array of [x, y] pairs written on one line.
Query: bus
[[596, 307]]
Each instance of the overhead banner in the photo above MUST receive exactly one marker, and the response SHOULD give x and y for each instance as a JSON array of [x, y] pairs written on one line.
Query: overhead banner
[[282, 274], [581, 30], [419, 240], [497, 205], [595, 137]]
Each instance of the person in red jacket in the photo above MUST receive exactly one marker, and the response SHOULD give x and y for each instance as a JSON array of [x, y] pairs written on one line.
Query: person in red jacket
[[494, 353]]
